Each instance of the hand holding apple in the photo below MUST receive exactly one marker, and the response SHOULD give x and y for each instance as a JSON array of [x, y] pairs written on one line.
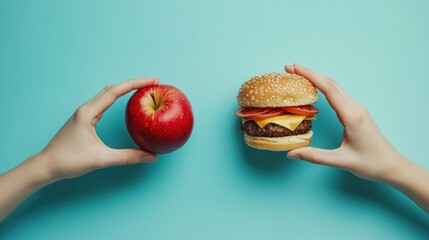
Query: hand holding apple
[[76, 149], [159, 118]]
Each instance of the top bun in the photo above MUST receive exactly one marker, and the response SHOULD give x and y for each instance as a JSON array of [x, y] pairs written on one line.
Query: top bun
[[276, 90]]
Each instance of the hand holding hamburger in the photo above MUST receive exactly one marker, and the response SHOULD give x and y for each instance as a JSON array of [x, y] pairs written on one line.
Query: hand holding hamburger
[[276, 111]]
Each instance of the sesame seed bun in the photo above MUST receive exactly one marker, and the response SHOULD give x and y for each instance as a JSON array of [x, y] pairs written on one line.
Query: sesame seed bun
[[279, 143], [276, 90]]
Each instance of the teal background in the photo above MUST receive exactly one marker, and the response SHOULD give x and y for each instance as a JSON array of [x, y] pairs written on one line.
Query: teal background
[[55, 55]]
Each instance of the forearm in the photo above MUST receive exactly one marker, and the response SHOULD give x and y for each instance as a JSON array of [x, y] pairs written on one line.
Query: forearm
[[19, 183], [413, 181]]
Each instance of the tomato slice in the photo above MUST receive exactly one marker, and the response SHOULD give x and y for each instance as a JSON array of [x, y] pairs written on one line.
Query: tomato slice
[[273, 112], [250, 111], [306, 110]]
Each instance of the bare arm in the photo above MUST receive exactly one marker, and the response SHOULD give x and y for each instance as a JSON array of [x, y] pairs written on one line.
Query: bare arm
[[19, 183], [364, 151], [75, 150], [412, 180]]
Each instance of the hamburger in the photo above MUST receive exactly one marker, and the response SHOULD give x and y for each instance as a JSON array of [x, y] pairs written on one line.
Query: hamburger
[[276, 111]]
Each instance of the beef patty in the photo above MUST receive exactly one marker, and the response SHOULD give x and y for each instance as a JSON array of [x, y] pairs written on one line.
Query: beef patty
[[274, 130]]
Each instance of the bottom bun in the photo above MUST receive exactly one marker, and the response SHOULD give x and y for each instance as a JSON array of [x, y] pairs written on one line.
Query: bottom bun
[[279, 143]]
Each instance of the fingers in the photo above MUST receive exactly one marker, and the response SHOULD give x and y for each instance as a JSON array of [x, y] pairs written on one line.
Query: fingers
[[290, 69], [337, 98], [108, 95], [317, 156], [128, 156]]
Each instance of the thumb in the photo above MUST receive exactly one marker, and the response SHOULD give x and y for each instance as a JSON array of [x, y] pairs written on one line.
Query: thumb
[[130, 156], [316, 156]]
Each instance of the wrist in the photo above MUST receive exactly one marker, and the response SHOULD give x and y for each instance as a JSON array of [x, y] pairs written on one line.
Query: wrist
[[35, 170], [399, 169]]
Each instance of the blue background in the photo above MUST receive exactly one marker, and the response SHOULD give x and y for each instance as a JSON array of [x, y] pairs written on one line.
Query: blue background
[[55, 55]]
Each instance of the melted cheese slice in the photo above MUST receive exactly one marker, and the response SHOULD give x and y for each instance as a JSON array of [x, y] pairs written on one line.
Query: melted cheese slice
[[289, 121]]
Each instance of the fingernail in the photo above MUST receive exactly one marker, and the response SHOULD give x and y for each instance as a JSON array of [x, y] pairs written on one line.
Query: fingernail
[[152, 79], [294, 156], [150, 159]]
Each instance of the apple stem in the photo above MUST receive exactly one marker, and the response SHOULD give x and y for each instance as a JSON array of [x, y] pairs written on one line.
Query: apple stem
[[152, 95]]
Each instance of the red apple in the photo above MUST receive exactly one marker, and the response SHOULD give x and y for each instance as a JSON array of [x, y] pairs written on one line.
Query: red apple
[[159, 118]]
